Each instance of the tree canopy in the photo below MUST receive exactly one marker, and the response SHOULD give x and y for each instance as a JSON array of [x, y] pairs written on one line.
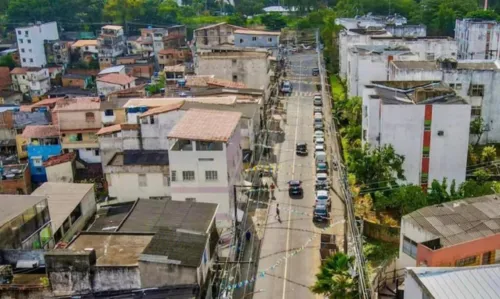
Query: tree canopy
[[335, 279]]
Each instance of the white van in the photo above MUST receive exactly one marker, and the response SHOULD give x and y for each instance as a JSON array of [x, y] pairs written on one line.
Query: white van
[[320, 157]]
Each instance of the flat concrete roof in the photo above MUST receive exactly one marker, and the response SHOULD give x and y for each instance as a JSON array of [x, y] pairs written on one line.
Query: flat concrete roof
[[62, 198], [113, 249], [14, 205]]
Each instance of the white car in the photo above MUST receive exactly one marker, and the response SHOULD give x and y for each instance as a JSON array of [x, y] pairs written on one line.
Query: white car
[[318, 134], [322, 179], [319, 141], [323, 198], [318, 109], [319, 148]]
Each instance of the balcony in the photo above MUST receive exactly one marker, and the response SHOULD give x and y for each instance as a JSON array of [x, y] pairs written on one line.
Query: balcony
[[79, 144]]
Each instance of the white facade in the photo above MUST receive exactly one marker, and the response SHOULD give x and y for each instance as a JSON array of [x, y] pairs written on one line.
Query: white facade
[[90, 155], [128, 186], [35, 81], [106, 88], [117, 142], [215, 174], [402, 125], [477, 39], [412, 288], [415, 234], [62, 172], [155, 128], [31, 43], [476, 81]]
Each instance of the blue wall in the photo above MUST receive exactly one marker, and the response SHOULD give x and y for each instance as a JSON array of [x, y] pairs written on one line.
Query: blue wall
[[261, 42], [38, 173]]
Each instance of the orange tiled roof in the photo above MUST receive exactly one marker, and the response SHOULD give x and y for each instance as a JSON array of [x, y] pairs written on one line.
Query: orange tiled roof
[[78, 104], [163, 109], [117, 128], [56, 160], [225, 83], [40, 131], [19, 71], [119, 79]]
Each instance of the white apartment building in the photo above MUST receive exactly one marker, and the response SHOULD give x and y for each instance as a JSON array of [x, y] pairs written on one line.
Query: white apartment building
[[33, 81], [206, 159], [111, 44], [368, 63], [31, 41], [424, 121], [477, 39], [476, 81]]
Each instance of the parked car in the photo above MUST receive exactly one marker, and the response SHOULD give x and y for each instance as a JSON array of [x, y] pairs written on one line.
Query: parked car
[[295, 188], [286, 87], [323, 198], [301, 149], [318, 134], [315, 71], [318, 109], [319, 148], [320, 213], [318, 102], [322, 179], [318, 124], [321, 167], [319, 141]]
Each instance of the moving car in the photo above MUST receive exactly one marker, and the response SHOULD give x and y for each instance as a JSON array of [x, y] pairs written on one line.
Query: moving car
[[321, 167], [286, 87], [323, 198], [295, 188], [301, 149], [320, 213], [315, 71], [318, 134]]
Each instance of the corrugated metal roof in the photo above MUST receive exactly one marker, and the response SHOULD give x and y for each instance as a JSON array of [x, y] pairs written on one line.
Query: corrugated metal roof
[[481, 282]]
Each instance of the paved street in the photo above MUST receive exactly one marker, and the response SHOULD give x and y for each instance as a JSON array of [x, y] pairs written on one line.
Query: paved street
[[292, 277]]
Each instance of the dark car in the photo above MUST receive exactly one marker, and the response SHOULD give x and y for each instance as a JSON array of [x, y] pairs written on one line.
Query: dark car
[[301, 149], [320, 213], [295, 188], [321, 167], [315, 71]]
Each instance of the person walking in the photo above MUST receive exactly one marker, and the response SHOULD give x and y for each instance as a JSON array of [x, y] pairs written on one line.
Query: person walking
[[278, 212]]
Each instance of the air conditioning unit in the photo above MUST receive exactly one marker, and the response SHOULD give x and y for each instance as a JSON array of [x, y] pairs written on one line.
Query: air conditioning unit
[[27, 264]]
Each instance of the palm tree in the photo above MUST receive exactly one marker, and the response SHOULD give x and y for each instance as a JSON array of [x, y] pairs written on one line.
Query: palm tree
[[335, 280]]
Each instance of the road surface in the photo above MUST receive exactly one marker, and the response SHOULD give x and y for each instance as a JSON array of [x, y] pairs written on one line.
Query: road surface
[[293, 276]]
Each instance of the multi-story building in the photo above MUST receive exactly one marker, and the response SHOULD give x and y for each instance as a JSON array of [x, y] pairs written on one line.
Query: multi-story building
[[16, 179], [58, 52], [171, 57], [114, 82], [205, 158], [366, 63], [215, 35], [155, 35], [32, 81], [28, 118], [84, 50], [78, 121], [111, 44], [477, 81], [42, 143], [25, 222], [250, 66], [31, 40], [424, 121], [452, 234], [477, 39], [256, 38]]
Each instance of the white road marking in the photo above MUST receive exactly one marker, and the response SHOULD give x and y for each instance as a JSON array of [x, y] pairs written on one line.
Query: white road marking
[[289, 199]]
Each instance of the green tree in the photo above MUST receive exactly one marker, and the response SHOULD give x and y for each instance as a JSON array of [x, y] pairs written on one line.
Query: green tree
[[335, 280], [438, 192], [404, 199], [237, 19], [489, 154], [122, 11], [250, 7], [477, 128], [482, 14], [273, 21], [7, 61]]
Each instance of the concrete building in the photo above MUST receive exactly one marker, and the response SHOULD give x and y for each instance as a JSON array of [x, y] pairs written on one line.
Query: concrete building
[[171, 57], [445, 282], [112, 110], [477, 81], [114, 82], [31, 41], [16, 179], [111, 44], [215, 35], [245, 65], [424, 121], [116, 139], [78, 122], [477, 39], [10, 97], [204, 151], [155, 36], [452, 234], [368, 63], [84, 50], [370, 20], [256, 38], [42, 142], [75, 80], [71, 206], [23, 119], [61, 168], [57, 52], [25, 222], [31, 81]]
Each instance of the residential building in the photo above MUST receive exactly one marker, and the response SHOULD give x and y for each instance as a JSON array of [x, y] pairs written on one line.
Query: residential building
[[78, 122], [23, 119], [114, 82], [31, 40], [69, 92], [61, 168], [370, 20], [250, 66], [7, 133], [206, 159], [215, 35], [128, 250], [134, 46], [111, 44], [84, 50], [117, 69], [58, 52], [55, 74], [175, 40], [477, 39], [477, 81], [42, 143], [174, 73], [452, 282], [10, 97], [25, 222], [256, 38], [16, 179], [71, 206], [32, 81], [155, 37], [113, 112], [368, 63], [138, 66], [116, 139], [171, 57], [452, 234], [75, 80], [422, 120], [5, 79]]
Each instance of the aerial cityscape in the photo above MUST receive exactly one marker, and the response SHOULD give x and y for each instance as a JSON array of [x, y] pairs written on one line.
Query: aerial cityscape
[[237, 149]]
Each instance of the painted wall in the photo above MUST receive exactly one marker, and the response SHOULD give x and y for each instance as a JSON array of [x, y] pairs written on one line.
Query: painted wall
[[154, 136], [106, 88], [90, 155], [31, 39], [125, 185], [416, 234], [473, 37], [38, 173], [412, 288], [63, 172], [257, 41], [347, 40]]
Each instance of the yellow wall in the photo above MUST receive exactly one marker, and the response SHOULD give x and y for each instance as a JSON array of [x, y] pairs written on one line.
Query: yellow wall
[[120, 116], [20, 141]]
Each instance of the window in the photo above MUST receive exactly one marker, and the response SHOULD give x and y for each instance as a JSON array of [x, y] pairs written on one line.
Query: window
[[96, 152], [152, 119], [79, 137], [475, 111], [211, 175], [18, 31], [174, 176], [486, 258], [143, 180], [24, 60], [166, 180], [144, 120], [31, 59], [21, 40], [29, 41], [22, 50], [26, 32], [456, 86], [37, 161], [468, 261], [108, 112], [188, 175], [235, 78], [429, 56], [477, 90], [24, 77], [254, 38], [409, 247], [241, 40], [233, 61], [190, 199], [89, 117], [270, 39], [29, 50], [86, 47], [364, 135]]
